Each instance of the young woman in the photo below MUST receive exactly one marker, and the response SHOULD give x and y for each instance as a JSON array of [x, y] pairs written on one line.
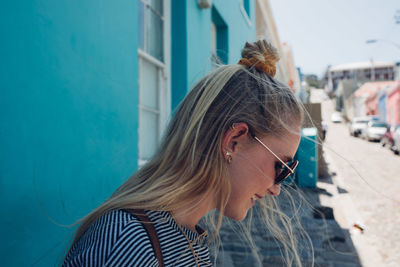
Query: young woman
[[231, 143]]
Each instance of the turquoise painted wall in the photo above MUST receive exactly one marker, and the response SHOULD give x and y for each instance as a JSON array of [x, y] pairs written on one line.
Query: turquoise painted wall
[[239, 31], [68, 105], [179, 52], [191, 40]]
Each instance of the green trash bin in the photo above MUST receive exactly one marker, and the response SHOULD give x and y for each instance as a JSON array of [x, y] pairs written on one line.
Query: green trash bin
[[307, 155]]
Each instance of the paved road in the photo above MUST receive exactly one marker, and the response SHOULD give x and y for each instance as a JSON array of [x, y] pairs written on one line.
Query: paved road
[[369, 184]]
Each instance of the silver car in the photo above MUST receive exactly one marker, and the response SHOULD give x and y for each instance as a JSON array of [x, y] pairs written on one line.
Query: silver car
[[357, 125], [374, 131], [336, 117]]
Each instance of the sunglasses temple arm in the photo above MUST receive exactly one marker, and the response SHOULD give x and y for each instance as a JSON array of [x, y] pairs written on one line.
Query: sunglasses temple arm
[[255, 137]]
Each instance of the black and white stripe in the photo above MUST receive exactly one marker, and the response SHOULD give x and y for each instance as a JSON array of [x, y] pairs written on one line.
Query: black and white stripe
[[119, 239]]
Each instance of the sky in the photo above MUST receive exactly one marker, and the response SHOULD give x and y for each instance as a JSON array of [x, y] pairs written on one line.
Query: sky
[[323, 32]]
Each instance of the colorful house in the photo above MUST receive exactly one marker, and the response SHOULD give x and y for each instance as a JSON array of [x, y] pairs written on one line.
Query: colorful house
[[87, 90], [381, 98], [393, 104], [359, 72], [365, 99]]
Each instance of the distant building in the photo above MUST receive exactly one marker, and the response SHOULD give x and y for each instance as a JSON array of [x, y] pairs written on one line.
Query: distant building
[[344, 90], [266, 29], [397, 71], [381, 99], [393, 104], [360, 72], [367, 100], [287, 72], [294, 76], [301, 92]]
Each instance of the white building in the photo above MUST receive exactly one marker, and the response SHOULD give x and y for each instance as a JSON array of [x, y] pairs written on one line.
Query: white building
[[359, 72], [287, 72]]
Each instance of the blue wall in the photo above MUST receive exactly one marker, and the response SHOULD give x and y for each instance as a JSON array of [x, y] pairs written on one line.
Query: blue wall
[[191, 40], [382, 96], [238, 30], [68, 108]]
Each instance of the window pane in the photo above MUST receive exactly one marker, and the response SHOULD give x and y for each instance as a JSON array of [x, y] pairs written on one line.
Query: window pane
[[141, 24], [148, 91], [213, 39], [157, 5], [154, 31], [246, 5], [148, 134]]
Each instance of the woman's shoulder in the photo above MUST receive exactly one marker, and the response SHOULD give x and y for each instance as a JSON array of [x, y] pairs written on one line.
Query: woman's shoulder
[[117, 238]]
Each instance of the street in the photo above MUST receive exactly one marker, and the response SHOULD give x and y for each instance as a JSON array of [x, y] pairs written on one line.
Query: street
[[367, 177]]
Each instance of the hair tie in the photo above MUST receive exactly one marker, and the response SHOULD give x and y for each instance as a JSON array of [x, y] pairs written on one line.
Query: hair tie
[[263, 66]]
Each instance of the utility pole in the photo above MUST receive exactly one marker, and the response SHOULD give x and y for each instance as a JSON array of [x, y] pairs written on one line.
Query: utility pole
[[372, 70]]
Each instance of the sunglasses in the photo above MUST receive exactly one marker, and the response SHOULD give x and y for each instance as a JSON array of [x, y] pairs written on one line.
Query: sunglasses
[[283, 171]]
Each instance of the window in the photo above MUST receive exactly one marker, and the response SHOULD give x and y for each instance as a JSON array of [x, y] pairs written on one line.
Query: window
[[154, 92], [219, 39], [246, 6], [214, 58], [245, 9], [151, 28]]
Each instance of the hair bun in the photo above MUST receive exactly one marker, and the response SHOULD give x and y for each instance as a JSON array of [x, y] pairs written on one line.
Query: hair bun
[[261, 55]]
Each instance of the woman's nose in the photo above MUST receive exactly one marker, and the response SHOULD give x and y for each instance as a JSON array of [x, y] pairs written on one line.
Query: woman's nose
[[275, 190]]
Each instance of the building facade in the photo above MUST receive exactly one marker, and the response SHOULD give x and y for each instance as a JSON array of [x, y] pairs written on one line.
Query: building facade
[[87, 91], [287, 72], [266, 29], [393, 104], [374, 98], [360, 72]]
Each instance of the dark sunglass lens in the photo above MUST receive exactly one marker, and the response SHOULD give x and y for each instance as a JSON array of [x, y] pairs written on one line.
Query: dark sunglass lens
[[281, 177], [286, 172]]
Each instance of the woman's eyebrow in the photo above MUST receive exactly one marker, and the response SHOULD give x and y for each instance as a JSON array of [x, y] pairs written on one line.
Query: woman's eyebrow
[[287, 159]]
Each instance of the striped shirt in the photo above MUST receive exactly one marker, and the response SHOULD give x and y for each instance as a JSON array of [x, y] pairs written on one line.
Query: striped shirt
[[119, 239]]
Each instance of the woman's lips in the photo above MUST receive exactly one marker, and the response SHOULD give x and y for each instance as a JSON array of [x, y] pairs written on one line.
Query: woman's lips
[[254, 198]]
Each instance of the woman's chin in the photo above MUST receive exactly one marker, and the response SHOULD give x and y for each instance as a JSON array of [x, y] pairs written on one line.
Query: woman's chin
[[237, 215]]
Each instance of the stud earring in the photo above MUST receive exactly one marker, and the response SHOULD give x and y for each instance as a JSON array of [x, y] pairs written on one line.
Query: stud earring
[[228, 157]]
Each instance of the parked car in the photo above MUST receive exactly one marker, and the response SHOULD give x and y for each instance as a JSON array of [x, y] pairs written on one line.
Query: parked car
[[396, 141], [387, 138], [374, 130], [356, 126], [336, 117], [368, 118]]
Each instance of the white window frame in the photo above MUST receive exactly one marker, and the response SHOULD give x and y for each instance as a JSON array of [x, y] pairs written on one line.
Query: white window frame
[[244, 13], [215, 60], [164, 79]]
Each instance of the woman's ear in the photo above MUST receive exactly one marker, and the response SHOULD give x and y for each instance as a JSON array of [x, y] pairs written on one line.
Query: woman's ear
[[234, 137]]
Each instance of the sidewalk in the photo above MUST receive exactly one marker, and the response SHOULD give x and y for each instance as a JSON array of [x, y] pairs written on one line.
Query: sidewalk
[[347, 215], [333, 246]]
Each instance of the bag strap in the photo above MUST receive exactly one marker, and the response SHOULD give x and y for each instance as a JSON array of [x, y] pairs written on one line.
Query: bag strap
[[151, 232]]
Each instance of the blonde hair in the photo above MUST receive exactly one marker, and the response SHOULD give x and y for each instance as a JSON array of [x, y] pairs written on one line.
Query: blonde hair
[[189, 163]]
